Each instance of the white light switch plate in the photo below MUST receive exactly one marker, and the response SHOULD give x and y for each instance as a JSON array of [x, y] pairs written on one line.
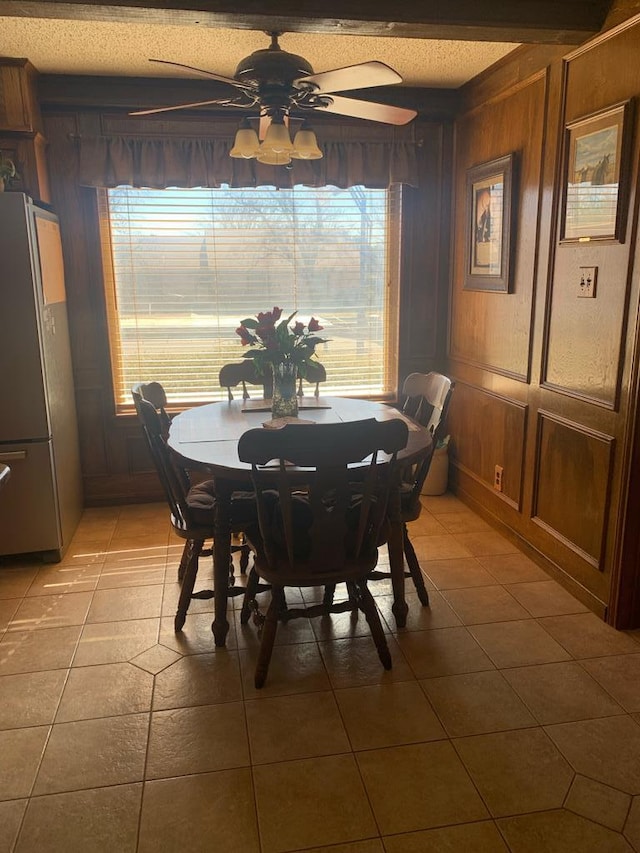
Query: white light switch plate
[[587, 283]]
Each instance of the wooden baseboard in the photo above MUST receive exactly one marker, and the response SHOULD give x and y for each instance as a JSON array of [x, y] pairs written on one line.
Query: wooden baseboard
[[552, 569], [111, 491]]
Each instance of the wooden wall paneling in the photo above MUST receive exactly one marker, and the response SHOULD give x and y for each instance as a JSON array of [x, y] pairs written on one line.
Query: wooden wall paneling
[[593, 355], [138, 456], [424, 266], [488, 430], [584, 346], [573, 476], [42, 189], [93, 451], [75, 206], [583, 391], [534, 542], [585, 349], [488, 329], [508, 74], [624, 609], [604, 71], [122, 489], [625, 598]]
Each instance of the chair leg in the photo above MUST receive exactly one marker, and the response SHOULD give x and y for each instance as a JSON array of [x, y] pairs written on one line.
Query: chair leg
[[244, 558], [368, 607], [249, 596], [327, 598], [184, 559], [188, 582], [352, 592], [414, 568], [269, 635]]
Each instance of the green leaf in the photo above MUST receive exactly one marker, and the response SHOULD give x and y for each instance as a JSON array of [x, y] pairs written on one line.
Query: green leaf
[[249, 323]]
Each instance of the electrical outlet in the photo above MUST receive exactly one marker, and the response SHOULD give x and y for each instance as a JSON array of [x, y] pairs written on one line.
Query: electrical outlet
[[497, 478], [587, 285]]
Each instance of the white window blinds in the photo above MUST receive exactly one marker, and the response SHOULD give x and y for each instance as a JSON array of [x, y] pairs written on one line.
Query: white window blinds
[[184, 266]]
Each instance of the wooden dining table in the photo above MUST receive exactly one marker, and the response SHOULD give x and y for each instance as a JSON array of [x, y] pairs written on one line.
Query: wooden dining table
[[205, 438]]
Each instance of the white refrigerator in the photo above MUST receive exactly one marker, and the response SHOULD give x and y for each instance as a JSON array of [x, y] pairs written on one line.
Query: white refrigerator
[[41, 503]]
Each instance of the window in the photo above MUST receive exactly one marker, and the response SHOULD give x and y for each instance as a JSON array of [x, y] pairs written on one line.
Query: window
[[184, 266]]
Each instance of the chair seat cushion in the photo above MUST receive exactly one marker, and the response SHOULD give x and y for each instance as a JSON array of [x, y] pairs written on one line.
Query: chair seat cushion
[[201, 500], [302, 518], [410, 506]]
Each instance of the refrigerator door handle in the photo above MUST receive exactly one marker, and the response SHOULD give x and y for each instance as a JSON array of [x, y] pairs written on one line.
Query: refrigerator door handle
[[13, 455]]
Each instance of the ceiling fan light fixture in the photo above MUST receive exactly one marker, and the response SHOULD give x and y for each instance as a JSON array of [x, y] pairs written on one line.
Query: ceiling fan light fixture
[[305, 145], [246, 144], [274, 158], [277, 139]]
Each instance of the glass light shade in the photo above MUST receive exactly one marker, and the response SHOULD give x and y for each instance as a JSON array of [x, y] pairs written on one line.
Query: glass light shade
[[273, 158], [277, 139], [305, 146], [246, 144]]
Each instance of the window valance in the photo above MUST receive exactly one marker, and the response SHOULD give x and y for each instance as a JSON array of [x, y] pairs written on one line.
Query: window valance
[[375, 157]]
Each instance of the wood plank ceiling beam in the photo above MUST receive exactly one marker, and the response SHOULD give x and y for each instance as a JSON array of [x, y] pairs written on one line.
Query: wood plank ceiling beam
[[526, 21]]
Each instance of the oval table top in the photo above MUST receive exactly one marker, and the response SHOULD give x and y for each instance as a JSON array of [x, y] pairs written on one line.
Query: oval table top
[[207, 436]]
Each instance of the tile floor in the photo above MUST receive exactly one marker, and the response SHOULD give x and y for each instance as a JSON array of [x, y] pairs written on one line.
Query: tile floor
[[510, 719]]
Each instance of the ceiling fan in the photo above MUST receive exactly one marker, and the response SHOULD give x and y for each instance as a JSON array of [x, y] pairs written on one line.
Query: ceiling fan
[[278, 83]]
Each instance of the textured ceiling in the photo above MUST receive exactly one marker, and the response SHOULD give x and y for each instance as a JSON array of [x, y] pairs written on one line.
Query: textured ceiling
[[81, 47]]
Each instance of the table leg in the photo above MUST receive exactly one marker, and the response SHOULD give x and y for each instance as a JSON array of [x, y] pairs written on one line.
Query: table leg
[[221, 558], [400, 608]]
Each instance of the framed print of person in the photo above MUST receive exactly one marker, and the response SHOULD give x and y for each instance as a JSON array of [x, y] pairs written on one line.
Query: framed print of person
[[488, 232], [595, 185]]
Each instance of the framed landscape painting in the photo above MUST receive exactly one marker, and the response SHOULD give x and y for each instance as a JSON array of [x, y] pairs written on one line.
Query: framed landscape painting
[[488, 232], [594, 177]]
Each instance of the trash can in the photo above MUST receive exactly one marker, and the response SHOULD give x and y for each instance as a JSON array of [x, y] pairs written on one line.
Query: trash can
[[437, 479]]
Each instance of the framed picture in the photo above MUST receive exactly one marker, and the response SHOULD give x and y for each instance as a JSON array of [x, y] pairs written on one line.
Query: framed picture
[[488, 235], [594, 193]]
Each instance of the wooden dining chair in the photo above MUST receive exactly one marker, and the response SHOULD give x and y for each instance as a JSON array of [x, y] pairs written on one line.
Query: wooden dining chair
[[315, 373], [154, 393], [427, 398], [192, 506], [241, 374], [318, 526]]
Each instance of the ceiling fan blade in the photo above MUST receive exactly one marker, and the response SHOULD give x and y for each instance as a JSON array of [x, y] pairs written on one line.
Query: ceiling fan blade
[[368, 110], [179, 107], [230, 80], [361, 76]]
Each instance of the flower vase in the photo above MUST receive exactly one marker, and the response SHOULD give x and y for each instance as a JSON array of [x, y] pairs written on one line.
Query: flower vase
[[284, 402]]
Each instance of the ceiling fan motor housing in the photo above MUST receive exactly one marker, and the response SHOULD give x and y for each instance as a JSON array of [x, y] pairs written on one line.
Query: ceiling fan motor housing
[[272, 67], [272, 72]]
